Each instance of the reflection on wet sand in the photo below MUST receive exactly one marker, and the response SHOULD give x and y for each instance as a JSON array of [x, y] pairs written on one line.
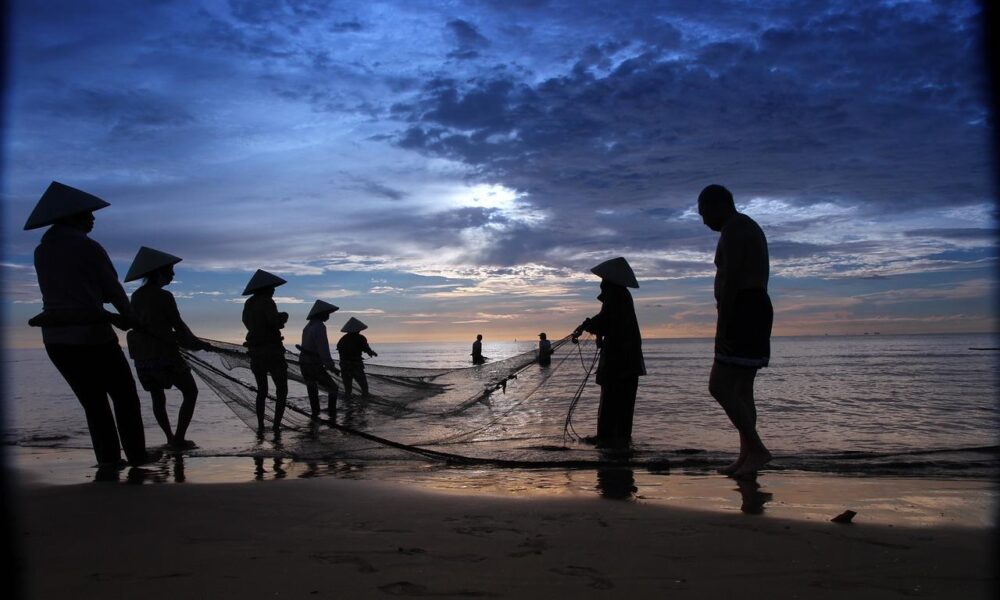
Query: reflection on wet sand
[[277, 468], [753, 499], [616, 483]]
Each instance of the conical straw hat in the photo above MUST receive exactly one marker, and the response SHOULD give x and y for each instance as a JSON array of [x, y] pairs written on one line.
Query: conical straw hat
[[262, 279], [616, 270], [60, 201], [321, 308], [353, 326], [148, 260]]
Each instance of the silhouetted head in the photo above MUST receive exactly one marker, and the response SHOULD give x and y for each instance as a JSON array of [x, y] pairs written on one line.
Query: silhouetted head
[[479, 337], [542, 335], [67, 206], [263, 281], [148, 262], [81, 221], [716, 206], [321, 311], [612, 291], [160, 277]]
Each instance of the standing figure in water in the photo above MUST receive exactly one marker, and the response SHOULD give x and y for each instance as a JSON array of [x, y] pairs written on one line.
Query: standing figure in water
[[155, 342], [76, 278], [350, 347], [621, 363], [315, 359], [544, 350], [743, 329], [267, 354], [477, 350]]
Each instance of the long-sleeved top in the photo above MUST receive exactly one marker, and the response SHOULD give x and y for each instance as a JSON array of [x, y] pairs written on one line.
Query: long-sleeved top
[[159, 328], [315, 345], [263, 321], [75, 273], [618, 328], [477, 350], [544, 352], [350, 347], [741, 262]]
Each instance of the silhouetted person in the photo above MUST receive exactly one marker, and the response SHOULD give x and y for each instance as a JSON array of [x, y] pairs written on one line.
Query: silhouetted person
[[154, 344], [544, 350], [743, 329], [621, 363], [477, 350], [350, 347], [315, 358], [76, 279], [263, 342]]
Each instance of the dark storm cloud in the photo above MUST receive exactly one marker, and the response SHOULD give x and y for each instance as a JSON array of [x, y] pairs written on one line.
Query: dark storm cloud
[[383, 191], [467, 39], [128, 112], [957, 234], [346, 27], [872, 106], [844, 105]]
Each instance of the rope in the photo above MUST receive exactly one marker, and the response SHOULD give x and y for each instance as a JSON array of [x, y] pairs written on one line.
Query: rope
[[568, 425]]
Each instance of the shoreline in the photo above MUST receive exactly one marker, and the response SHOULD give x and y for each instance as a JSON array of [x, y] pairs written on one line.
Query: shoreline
[[911, 501], [330, 537]]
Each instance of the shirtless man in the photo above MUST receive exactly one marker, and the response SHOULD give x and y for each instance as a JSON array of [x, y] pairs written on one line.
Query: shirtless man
[[745, 315]]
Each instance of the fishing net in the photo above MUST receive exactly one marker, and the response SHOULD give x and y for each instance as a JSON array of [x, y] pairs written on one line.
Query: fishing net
[[512, 410]]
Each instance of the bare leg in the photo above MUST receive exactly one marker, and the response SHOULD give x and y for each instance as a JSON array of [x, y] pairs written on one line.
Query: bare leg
[[281, 396], [363, 382], [261, 379], [313, 390], [732, 387], [189, 390], [160, 412]]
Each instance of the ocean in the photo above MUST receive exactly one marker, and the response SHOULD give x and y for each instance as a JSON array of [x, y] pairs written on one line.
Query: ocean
[[909, 405]]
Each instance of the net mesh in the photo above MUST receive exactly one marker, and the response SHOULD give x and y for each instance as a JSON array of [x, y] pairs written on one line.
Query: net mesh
[[505, 411]]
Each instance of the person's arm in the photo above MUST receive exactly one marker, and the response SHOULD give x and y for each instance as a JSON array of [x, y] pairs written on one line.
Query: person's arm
[[112, 292], [731, 256], [184, 336], [274, 318], [596, 324], [323, 349], [366, 348]]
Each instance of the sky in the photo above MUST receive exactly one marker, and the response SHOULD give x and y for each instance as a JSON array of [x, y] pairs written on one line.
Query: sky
[[441, 169]]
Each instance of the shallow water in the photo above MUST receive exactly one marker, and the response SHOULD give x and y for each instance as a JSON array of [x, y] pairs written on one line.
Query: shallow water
[[887, 405]]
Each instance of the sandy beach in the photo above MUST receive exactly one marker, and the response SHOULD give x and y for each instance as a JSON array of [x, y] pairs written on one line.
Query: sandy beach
[[324, 537]]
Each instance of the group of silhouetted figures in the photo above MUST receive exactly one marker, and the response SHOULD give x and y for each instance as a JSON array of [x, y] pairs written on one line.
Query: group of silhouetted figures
[[76, 279]]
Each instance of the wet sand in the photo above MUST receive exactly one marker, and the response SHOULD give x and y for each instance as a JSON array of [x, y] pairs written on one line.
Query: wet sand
[[322, 537]]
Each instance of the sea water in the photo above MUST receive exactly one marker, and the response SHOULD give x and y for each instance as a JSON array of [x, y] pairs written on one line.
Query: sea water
[[923, 405]]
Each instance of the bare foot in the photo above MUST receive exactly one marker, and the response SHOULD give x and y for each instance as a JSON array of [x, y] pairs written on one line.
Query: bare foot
[[753, 463], [733, 466], [730, 468]]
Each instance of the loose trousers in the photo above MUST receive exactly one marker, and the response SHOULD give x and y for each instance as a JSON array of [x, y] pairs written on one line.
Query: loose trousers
[[96, 372]]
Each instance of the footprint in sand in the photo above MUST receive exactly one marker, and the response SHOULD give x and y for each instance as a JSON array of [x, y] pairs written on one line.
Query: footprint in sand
[[345, 559], [408, 588], [597, 579], [483, 530], [536, 545]]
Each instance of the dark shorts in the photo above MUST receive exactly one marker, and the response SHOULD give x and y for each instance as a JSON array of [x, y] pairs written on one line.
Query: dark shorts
[[317, 374], [268, 359], [746, 341], [161, 373]]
